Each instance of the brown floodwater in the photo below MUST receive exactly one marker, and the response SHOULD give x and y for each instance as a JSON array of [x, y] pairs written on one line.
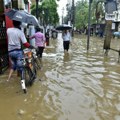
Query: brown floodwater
[[79, 85]]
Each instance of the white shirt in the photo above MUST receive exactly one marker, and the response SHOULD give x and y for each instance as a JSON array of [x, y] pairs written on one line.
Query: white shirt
[[66, 36], [15, 37]]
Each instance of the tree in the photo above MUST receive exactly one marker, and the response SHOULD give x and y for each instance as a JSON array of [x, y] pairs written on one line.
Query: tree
[[47, 12], [81, 14], [100, 11]]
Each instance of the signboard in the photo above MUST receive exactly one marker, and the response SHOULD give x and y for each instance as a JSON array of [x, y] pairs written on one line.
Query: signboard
[[110, 6], [118, 18], [109, 16], [113, 26]]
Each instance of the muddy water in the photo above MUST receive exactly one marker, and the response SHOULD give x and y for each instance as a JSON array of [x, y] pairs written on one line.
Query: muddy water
[[79, 85]]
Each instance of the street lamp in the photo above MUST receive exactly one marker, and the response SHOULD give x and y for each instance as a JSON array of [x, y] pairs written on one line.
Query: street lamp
[[73, 16]]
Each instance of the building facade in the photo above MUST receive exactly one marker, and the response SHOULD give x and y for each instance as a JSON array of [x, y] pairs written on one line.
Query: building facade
[[5, 23]]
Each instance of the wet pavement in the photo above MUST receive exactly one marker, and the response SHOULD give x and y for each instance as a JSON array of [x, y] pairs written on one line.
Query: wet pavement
[[79, 85]]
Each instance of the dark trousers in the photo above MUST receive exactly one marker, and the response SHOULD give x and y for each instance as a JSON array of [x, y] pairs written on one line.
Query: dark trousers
[[66, 45], [47, 42], [40, 51]]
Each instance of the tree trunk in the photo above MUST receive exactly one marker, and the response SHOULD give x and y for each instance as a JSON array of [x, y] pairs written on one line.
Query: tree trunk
[[108, 35]]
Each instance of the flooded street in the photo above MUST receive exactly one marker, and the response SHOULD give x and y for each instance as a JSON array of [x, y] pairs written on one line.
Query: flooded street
[[79, 85]]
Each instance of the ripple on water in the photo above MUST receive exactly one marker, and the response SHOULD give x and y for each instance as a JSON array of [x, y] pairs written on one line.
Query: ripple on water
[[81, 85]]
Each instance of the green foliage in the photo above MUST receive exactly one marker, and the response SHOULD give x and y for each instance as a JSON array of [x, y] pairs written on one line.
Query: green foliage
[[100, 11], [82, 9], [81, 14], [47, 12], [33, 6]]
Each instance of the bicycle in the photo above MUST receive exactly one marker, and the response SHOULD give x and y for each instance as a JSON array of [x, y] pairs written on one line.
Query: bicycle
[[30, 65]]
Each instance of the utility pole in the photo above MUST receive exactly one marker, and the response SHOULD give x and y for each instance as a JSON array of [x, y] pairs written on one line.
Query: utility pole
[[73, 16], [89, 19], [37, 8]]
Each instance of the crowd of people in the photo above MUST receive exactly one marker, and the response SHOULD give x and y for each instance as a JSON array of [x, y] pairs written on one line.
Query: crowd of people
[[17, 39]]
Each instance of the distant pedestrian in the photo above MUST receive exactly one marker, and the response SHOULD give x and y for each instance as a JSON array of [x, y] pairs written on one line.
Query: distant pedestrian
[[96, 32], [47, 37], [54, 34], [66, 40], [101, 32]]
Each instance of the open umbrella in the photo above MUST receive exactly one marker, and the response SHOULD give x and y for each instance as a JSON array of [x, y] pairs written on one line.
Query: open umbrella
[[54, 30], [64, 27], [22, 16]]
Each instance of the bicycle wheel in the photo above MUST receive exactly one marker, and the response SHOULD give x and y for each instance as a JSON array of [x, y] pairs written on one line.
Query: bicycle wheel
[[27, 76], [34, 73], [39, 60], [37, 64], [23, 84]]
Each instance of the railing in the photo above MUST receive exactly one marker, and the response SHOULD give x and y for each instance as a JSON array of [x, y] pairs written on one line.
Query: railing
[[4, 63]]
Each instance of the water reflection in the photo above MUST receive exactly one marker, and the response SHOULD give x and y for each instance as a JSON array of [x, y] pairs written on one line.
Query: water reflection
[[66, 57], [77, 85]]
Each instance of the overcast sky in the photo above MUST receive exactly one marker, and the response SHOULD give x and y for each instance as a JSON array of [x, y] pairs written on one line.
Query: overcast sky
[[62, 4]]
